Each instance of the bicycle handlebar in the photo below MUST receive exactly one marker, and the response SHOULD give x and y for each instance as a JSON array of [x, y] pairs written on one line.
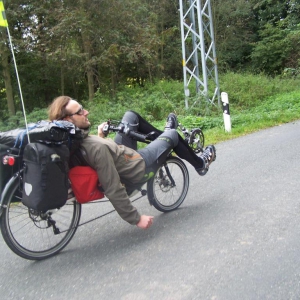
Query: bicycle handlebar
[[126, 129]]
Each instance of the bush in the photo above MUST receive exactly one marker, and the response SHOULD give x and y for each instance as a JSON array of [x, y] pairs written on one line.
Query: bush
[[248, 90], [251, 97]]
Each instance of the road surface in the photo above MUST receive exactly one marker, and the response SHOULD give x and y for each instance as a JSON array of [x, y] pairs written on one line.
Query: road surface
[[236, 236]]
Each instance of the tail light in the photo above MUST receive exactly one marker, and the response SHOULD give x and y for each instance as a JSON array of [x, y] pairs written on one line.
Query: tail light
[[8, 160]]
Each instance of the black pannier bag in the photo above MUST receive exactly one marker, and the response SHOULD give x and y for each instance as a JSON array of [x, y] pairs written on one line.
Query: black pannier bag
[[45, 177]]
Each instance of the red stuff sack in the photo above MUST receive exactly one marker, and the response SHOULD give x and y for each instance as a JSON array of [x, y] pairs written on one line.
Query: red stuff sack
[[85, 184]]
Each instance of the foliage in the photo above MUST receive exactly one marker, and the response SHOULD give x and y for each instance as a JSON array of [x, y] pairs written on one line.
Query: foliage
[[86, 47], [271, 52], [247, 90], [275, 110], [255, 102], [154, 102], [235, 31], [18, 121]]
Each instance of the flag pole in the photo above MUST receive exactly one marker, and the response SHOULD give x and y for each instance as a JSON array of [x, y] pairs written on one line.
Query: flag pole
[[19, 84], [3, 22]]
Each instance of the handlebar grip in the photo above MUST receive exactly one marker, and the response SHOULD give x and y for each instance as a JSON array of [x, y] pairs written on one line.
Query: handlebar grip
[[105, 129], [138, 136]]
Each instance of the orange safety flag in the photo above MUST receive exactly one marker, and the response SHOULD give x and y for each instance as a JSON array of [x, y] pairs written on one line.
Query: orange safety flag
[[3, 21]]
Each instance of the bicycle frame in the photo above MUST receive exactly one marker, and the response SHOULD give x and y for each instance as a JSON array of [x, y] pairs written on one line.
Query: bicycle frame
[[51, 231], [193, 137]]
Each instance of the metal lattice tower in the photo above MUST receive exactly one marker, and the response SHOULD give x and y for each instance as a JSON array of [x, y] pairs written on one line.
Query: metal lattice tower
[[198, 51]]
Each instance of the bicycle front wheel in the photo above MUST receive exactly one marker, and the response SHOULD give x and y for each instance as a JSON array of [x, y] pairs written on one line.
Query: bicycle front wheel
[[34, 235], [168, 188]]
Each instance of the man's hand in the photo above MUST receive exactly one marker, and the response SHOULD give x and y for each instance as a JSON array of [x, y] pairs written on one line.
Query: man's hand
[[100, 130], [145, 222]]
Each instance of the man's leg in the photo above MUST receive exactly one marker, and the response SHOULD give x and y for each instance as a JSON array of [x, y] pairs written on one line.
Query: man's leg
[[138, 124], [182, 149], [156, 152], [123, 139], [200, 163], [141, 125]]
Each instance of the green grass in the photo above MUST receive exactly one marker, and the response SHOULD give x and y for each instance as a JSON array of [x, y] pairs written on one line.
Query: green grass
[[274, 110], [256, 102]]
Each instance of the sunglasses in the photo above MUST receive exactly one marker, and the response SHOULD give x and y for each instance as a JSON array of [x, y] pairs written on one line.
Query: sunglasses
[[79, 112]]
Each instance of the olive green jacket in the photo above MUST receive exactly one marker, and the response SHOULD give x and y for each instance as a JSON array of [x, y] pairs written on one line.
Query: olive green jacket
[[115, 164]]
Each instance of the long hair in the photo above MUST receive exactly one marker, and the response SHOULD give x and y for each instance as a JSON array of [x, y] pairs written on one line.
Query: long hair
[[57, 109]]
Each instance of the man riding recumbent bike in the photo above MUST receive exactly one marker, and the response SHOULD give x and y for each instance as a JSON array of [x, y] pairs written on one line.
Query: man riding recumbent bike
[[39, 228]]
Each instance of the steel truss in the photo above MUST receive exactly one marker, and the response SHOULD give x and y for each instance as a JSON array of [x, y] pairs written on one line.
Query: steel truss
[[198, 51]]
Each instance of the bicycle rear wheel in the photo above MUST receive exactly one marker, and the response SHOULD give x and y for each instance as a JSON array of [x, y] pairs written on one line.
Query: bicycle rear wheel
[[34, 235], [168, 188]]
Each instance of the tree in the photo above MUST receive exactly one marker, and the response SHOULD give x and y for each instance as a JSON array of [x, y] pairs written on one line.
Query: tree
[[235, 31], [279, 35], [271, 52], [166, 19], [78, 47], [4, 53]]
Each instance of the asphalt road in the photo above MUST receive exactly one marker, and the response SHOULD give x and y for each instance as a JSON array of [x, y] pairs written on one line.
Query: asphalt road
[[236, 236]]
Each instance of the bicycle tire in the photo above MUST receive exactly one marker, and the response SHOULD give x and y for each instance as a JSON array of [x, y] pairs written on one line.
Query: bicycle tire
[[28, 233], [164, 195]]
